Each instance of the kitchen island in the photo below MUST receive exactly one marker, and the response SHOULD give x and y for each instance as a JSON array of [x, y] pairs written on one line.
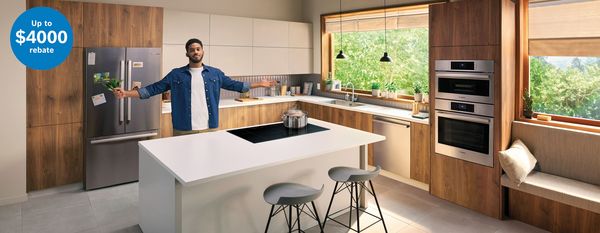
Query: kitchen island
[[213, 182]]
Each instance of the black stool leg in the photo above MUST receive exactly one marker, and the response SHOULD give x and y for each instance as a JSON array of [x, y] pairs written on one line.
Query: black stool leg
[[269, 221], [317, 216], [357, 207], [329, 207], [290, 224], [351, 197], [298, 217], [377, 202]]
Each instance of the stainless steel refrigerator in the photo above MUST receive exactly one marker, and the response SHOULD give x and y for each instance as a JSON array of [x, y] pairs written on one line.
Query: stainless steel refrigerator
[[113, 127]]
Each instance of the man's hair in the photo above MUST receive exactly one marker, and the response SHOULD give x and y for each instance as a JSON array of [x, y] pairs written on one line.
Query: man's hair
[[191, 41]]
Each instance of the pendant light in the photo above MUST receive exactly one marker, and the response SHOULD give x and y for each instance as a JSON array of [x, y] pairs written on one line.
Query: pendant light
[[341, 55], [385, 57]]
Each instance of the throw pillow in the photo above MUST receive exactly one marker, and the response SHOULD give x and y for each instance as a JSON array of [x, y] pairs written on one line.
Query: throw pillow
[[517, 162]]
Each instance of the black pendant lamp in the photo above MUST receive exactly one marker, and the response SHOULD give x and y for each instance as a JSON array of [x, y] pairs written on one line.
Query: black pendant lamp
[[341, 54], [385, 57]]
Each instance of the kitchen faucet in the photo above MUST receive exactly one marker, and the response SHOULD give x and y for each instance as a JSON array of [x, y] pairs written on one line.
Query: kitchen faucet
[[353, 97]]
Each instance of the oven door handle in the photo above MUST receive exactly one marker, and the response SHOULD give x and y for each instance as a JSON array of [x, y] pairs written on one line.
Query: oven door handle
[[463, 75], [457, 116]]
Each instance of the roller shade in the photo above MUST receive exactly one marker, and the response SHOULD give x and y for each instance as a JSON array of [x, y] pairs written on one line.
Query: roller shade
[[413, 18], [564, 28]]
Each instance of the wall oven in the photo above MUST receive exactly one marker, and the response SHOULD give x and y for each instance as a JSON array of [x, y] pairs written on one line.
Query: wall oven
[[464, 110], [465, 80], [462, 134]]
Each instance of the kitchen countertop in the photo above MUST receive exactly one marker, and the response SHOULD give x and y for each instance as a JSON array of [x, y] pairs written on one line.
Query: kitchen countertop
[[200, 158], [400, 114]]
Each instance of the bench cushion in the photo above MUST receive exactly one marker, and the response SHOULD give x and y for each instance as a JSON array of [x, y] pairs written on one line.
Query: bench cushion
[[571, 192]]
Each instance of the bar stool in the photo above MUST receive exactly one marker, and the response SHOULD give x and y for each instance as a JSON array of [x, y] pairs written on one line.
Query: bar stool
[[288, 195], [348, 178]]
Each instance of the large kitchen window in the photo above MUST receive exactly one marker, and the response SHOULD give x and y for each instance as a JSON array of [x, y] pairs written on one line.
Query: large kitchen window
[[363, 38], [563, 59]]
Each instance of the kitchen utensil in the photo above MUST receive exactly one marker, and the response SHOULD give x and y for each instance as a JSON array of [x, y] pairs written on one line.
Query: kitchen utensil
[[294, 119]]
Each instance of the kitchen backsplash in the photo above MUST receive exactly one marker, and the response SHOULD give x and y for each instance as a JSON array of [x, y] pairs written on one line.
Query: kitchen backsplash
[[298, 80]]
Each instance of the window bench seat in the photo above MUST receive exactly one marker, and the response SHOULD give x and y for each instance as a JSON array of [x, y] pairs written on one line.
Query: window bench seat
[[568, 191], [562, 194]]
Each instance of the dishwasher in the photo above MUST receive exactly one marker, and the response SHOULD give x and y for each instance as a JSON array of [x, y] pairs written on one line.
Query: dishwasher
[[392, 154]]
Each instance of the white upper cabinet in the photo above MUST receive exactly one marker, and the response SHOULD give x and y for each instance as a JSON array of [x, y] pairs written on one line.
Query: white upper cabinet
[[229, 30], [300, 35], [269, 61], [180, 26], [232, 60], [270, 33], [300, 61]]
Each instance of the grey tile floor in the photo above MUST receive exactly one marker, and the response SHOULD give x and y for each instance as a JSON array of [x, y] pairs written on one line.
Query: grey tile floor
[[406, 209]]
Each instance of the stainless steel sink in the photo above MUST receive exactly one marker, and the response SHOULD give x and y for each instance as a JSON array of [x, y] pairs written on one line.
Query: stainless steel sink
[[345, 103]]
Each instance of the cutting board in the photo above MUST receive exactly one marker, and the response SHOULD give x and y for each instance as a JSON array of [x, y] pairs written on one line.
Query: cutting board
[[248, 99]]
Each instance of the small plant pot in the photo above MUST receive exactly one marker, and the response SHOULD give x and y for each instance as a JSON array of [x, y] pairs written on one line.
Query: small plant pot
[[528, 114], [391, 95], [328, 87], [418, 97], [425, 98], [376, 93]]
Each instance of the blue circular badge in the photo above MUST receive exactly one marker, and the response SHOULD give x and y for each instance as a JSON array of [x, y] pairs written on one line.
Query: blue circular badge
[[41, 38]]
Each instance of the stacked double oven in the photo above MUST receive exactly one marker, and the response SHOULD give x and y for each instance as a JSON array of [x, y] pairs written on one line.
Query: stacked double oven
[[464, 110]]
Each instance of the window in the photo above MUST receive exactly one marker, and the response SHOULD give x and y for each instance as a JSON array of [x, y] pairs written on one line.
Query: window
[[563, 59], [363, 44]]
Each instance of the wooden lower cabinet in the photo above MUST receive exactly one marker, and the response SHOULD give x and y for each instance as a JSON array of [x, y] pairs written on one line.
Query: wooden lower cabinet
[[419, 152], [550, 215], [166, 125], [54, 155]]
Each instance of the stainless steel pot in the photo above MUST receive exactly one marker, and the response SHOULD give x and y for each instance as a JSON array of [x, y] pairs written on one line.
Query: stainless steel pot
[[294, 119]]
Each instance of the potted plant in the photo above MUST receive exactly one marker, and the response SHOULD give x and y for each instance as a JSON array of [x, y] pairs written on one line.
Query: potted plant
[[375, 89], [418, 92], [392, 89], [527, 105], [426, 95], [328, 84]]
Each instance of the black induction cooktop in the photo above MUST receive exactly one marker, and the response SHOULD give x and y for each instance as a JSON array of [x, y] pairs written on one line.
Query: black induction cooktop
[[265, 133]]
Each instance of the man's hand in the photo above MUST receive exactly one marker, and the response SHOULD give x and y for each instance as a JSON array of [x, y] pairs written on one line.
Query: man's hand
[[120, 93], [265, 83]]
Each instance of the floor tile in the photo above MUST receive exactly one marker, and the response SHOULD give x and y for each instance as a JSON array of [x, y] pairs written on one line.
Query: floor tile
[[10, 224], [8, 211]]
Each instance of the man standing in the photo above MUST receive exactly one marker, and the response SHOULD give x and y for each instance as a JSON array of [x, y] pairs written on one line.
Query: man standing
[[195, 92]]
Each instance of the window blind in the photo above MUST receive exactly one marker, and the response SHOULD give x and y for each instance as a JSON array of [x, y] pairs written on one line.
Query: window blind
[[396, 19], [564, 28]]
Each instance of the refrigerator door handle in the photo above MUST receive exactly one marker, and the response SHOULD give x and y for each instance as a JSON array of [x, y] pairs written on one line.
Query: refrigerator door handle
[[122, 100], [129, 64], [124, 138]]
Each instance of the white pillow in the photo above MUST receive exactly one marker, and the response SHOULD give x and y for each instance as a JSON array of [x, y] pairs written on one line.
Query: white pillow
[[517, 162]]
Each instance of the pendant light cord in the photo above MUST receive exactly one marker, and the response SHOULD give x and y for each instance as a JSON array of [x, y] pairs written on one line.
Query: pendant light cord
[[341, 33], [385, 25]]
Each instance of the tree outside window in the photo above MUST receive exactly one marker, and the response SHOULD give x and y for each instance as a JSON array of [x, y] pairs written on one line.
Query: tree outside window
[[409, 49]]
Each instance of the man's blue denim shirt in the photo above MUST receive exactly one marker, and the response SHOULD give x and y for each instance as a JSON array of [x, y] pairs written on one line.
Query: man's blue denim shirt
[[179, 81]]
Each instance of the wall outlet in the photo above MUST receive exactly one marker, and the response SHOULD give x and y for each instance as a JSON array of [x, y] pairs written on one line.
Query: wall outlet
[[318, 86]]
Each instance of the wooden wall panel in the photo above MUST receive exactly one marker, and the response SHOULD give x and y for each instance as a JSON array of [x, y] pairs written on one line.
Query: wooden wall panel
[[419, 152], [73, 11], [54, 155], [106, 25], [146, 26], [464, 23], [55, 96], [550, 215]]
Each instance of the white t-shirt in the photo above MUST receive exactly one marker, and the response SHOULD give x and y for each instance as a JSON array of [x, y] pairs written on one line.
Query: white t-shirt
[[199, 107]]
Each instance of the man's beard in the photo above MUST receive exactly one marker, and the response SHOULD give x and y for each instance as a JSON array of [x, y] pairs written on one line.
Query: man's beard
[[196, 61]]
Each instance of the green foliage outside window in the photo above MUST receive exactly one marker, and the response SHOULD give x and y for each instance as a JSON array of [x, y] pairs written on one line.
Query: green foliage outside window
[[408, 48], [567, 86]]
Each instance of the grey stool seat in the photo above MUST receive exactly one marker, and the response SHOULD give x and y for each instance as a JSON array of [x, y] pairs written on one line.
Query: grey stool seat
[[350, 174], [292, 195], [350, 179]]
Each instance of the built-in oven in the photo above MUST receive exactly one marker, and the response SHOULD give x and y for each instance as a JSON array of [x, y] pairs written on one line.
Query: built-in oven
[[465, 80], [464, 130]]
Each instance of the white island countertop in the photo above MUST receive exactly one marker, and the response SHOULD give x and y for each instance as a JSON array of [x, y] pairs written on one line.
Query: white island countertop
[[400, 114], [200, 158]]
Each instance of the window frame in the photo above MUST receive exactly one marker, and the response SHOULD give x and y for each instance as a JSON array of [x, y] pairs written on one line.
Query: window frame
[[327, 53], [522, 81]]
